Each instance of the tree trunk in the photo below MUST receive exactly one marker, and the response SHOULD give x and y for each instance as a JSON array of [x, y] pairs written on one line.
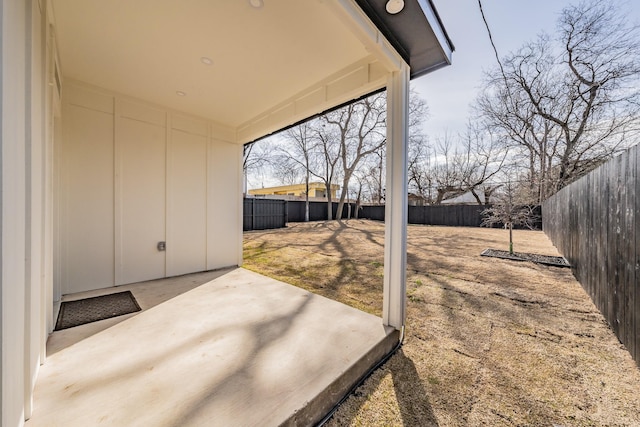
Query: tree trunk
[[543, 175], [306, 198], [306, 209], [475, 195], [380, 181], [329, 201], [532, 169], [487, 195], [511, 238], [343, 195], [340, 208]]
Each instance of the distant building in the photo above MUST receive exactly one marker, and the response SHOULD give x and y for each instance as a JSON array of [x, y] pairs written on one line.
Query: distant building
[[416, 200], [465, 199], [316, 189]]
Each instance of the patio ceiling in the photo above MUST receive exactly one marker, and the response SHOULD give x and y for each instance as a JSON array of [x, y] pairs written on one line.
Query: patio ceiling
[[263, 60]]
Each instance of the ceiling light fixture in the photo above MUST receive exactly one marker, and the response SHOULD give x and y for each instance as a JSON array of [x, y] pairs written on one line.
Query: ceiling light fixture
[[395, 6], [256, 3], [206, 60], [181, 93]]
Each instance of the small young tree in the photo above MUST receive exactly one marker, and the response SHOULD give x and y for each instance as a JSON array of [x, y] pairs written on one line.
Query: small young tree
[[506, 211]]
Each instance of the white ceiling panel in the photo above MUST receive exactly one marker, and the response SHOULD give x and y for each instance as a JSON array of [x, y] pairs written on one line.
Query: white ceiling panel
[[152, 49]]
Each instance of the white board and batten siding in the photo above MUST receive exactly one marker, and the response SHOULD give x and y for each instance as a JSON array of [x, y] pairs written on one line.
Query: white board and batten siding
[[135, 174]]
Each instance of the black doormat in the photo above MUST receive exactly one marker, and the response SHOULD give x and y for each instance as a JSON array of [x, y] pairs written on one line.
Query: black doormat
[[79, 312], [555, 261]]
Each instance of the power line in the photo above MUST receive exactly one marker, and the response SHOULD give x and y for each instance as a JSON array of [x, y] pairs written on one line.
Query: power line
[[493, 45]]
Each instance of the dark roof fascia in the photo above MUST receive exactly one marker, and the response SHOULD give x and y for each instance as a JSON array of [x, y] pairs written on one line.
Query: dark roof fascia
[[444, 30], [392, 25], [422, 72]]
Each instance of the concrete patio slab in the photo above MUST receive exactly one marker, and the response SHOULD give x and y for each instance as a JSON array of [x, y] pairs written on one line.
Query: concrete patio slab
[[216, 349]]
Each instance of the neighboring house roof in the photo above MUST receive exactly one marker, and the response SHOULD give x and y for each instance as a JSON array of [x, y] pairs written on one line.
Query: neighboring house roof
[[292, 187], [466, 199]]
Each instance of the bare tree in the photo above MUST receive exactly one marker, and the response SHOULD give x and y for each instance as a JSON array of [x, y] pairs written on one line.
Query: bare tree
[[376, 174], [370, 177], [344, 144], [448, 169], [361, 182], [571, 102], [507, 211], [257, 159], [419, 170], [456, 165], [308, 151], [298, 156], [483, 160], [328, 154], [361, 131]]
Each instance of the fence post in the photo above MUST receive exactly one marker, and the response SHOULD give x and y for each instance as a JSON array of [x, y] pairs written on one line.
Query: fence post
[[286, 212], [253, 214]]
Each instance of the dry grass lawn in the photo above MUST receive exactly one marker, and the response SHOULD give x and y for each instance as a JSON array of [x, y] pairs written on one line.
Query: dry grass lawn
[[488, 341]]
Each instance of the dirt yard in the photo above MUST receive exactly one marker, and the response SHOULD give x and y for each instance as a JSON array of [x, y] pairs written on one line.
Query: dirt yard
[[489, 342]]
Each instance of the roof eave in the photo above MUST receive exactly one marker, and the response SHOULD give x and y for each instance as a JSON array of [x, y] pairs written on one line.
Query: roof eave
[[431, 40]]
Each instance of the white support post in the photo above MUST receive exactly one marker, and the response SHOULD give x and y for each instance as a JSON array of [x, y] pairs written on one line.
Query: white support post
[[395, 243]]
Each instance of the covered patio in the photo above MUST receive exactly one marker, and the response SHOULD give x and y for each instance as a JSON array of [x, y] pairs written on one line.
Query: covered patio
[[220, 348], [123, 126]]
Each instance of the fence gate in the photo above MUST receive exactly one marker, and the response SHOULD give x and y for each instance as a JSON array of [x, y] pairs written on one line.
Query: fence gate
[[262, 214]]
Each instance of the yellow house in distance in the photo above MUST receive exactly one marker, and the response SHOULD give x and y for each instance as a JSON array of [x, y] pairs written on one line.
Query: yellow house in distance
[[316, 189]]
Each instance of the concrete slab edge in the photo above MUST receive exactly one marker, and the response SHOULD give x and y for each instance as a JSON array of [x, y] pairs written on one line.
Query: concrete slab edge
[[315, 410]]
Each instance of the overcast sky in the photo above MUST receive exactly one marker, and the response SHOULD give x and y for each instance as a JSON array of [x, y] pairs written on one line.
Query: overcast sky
[[449, 91]]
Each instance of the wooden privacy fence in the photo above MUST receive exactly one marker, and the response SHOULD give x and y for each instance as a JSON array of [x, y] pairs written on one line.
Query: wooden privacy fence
[[594, 223], [317, 210], [263, 214], [451, 215], [260, 214], [448, 215]]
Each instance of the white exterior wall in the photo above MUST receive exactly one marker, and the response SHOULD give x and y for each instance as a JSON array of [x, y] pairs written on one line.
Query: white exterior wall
[[35, 213], [134, 174], [24, 191], [39, 232], [224, 226], [12, 213]]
